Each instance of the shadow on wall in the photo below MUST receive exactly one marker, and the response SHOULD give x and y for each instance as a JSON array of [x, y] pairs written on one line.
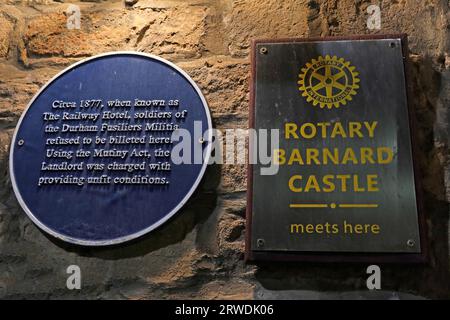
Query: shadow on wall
[[431, 280]]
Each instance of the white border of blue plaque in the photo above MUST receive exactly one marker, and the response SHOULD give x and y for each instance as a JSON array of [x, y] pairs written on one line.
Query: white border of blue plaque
[[17, 142]]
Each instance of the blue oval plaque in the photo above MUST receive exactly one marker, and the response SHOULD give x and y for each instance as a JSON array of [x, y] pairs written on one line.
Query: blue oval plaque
[[92, 158]]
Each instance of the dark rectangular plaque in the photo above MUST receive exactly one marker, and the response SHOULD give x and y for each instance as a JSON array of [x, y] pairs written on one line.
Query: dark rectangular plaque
[[346, 188]]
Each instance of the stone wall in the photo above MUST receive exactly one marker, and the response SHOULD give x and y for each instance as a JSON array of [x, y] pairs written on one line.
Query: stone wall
[[199, 253]]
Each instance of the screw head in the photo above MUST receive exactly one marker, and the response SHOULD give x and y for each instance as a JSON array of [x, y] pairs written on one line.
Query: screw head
[[201, 140], [20, 142], [260, 243], [263, 50], [392, 45], [410, 243]]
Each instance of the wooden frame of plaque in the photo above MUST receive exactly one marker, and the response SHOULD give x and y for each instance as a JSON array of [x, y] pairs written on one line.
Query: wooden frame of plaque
[[253, 256]]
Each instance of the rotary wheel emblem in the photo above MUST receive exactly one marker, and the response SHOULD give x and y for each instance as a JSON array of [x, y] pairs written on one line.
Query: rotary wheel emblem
[[328, 82]]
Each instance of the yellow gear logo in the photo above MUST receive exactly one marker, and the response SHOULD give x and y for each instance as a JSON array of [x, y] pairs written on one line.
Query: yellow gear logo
[[328, 81]]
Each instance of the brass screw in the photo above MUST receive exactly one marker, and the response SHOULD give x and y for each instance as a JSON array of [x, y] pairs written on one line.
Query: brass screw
[[260, 243], [263, 50]]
